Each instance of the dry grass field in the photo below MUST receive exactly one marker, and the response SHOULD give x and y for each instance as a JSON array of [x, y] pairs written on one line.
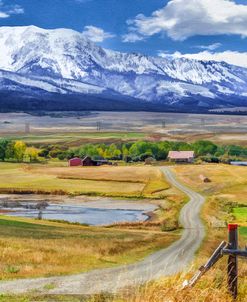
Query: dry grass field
[[30, 248], [227, 190], [77, 128], [106, 181]]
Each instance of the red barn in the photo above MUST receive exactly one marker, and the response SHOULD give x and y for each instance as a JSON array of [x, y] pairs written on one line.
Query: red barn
[[75, 162]]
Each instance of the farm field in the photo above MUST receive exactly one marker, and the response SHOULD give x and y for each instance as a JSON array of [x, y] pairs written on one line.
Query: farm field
[[74, 139], [106, 181], [31, 248], [227, 189], [79, 127]]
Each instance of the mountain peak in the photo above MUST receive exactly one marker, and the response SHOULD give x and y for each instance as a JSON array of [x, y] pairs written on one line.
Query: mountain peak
[[66, 55]]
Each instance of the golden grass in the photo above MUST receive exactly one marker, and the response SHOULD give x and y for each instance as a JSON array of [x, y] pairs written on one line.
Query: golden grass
[[228, 185], [227, 189], [30, 248], [108, 181]]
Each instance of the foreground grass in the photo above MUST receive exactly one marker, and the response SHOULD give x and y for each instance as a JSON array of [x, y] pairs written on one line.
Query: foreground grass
[[30, 248], [106, 181]]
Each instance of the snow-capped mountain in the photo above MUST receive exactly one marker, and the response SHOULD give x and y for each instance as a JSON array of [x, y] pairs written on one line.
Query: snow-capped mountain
[[38, 64]]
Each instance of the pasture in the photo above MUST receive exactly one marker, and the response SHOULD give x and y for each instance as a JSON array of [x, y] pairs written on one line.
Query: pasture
[[130, 181], [31, 248], [75, 128]]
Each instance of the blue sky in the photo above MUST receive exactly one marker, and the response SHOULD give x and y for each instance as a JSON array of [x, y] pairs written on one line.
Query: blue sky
[[195, 28]]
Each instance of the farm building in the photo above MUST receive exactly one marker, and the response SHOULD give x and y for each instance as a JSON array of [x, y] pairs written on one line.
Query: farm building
[[181, 156], [239, 163], [75, 162], [88, 161]]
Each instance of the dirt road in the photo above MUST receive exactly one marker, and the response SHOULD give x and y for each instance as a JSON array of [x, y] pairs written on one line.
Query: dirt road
[[165, 262]]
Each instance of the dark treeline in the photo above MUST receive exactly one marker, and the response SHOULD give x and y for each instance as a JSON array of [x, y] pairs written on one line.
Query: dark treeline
[[140, 150]]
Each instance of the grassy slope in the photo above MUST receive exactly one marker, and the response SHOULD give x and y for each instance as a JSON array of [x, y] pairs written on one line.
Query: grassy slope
[[32, 248], [107, 181]]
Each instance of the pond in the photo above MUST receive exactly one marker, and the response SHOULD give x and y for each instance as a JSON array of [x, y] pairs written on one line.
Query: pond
[[76, 213]]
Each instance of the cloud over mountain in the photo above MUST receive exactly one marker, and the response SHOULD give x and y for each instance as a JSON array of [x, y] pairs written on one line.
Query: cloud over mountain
[[181, 19], [96, 34]]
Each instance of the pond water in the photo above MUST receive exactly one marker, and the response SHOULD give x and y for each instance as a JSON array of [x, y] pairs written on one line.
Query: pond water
[[77, 213]]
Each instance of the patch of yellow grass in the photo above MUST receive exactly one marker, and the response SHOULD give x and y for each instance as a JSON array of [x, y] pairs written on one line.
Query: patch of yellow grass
[[29, 248], [228, 188], [109, 181]]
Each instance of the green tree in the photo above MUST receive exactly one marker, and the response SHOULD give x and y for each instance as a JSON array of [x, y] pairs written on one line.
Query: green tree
[[19, 150], [3, 145], [10, 151], [204, 148], [31, 155]]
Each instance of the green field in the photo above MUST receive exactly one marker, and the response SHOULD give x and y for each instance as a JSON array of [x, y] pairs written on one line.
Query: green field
[[243, 231], [240, 214], [76, 137]]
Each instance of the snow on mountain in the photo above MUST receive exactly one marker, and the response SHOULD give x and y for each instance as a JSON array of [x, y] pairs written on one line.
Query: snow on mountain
[[63, 61]]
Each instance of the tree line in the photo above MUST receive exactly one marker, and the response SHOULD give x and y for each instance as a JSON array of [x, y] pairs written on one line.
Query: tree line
[[140, 150], [18, 151]]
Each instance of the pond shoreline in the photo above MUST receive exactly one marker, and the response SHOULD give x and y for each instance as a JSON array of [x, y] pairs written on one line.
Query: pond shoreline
[[80, 209]]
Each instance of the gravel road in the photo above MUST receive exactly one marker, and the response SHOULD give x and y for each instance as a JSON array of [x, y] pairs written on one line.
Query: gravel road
[[171, 260]]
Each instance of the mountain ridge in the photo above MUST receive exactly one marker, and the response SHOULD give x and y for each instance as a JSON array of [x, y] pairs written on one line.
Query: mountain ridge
[[63, 62]]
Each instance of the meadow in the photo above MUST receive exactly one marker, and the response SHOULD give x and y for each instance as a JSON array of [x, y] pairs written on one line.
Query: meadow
[[77, 127], [32, 248], [74, 138], [105, 181], [226, 193]]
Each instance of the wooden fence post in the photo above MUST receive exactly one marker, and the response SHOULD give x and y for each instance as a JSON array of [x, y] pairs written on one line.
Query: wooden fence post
[[233, 260]]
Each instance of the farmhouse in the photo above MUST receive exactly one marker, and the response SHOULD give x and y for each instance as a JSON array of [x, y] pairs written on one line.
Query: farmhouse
[[181, 156]]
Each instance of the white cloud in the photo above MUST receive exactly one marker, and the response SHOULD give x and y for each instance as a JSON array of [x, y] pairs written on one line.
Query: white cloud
[[181, 19], [228, 56], [96, 34], [7, 10], [3, 15], [209, 47], [132, 37]]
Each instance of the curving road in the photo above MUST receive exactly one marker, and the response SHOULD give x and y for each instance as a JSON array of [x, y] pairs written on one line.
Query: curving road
[[165, 262]]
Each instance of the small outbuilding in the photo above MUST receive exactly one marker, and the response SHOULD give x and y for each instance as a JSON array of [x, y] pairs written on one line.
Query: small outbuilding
[[239, 163], [88, 162], [181, 156], [75, 162]]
